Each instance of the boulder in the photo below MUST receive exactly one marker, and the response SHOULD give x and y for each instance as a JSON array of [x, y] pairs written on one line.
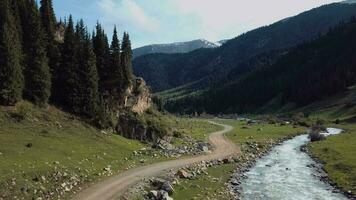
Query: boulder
[[167, 187], [203, 147], [163, 195], [183, 174], [153, 194]]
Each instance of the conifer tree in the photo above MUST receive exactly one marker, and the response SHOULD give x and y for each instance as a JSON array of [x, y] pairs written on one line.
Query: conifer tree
[[87, 72], [126, 61], [53, 53], [116, 75], [102, 52], [37, 73], [90, 80], [67, 74], [11, 78], [48, 17]]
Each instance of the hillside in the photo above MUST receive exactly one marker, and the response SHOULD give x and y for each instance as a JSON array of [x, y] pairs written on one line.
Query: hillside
[[49, 154], [178, 47], [164, 72], [308, 73]]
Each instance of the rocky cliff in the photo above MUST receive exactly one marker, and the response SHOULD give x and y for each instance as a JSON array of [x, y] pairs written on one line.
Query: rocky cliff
[[138, 99]]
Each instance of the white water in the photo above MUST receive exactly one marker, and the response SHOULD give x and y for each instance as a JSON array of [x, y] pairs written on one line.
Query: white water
[[284, 174]]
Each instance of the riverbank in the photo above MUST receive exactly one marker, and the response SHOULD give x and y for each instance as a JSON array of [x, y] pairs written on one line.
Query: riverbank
[[337, 155], [254, 139]]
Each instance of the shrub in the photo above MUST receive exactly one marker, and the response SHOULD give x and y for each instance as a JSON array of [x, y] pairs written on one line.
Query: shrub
[[22, 111], [316, 136]]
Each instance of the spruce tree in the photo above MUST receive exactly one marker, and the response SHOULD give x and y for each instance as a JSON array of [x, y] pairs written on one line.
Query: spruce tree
[[87, 73], [116, 75], [37, 73], [90, 79], [126, 62], [48, 17], [53, 53], [67, 74], [11, 78], [102, 53]]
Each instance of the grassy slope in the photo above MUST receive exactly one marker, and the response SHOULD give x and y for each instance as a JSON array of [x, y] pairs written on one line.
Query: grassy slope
[[338, 153], [61, 143], [206, 187]]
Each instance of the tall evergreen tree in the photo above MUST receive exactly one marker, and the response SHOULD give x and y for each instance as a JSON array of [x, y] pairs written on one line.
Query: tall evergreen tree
[[48, 17], [87, 72], [116, 75], [90, 80], [53, 53], [126, 61], [37, 73], [102, 52], [68, 79], [11, 78]]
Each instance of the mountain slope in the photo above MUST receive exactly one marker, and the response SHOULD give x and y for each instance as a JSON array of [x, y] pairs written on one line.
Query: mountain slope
[[169, 71], [309, 73], [178, 47]]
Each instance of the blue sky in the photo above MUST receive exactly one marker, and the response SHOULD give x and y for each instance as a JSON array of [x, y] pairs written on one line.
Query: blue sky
[[165, 21]]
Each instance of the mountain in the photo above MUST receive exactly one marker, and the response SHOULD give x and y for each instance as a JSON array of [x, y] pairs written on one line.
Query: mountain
[[178, 47], [308, 73], [167, 71]]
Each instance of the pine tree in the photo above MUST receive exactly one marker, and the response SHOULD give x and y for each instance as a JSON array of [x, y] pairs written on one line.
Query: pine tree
[[53, 53], [90, 80], [11, 78], [67, 74], [116, 76], [87, 72], [48, 17], [126, 62], [102, 53], [37, 73]]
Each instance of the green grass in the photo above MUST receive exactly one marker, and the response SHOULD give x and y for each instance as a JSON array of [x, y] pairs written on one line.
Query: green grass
[[206, 186], [60, 142], [260, 133], [339, 156]]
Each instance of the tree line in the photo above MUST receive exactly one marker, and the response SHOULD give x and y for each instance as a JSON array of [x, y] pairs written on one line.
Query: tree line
[[74, 69]]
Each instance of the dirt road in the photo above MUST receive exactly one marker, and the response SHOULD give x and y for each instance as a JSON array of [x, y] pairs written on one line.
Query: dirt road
[[115, 186]]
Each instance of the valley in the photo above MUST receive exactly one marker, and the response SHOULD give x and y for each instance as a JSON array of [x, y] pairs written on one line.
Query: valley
[[105, 104]]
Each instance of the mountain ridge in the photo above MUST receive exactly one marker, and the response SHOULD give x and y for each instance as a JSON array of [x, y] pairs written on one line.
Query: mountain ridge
[[164, 72], [176, 47]]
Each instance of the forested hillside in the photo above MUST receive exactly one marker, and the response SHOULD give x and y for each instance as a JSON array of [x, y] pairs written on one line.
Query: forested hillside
[[163, 71], [61, 63], [308, 73]]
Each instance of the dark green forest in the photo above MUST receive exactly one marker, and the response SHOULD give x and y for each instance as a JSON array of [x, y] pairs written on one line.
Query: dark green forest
[[46, 61], [166, 71], [309, 72]]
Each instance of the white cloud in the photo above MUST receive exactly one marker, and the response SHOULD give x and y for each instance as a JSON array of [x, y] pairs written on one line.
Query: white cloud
[[217, 17], [127, 14]]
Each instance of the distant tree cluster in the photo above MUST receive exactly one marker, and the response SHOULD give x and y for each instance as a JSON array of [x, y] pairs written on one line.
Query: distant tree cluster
[[80, 72]]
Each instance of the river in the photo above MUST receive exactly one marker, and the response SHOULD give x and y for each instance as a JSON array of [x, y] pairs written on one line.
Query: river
[[285, 173]]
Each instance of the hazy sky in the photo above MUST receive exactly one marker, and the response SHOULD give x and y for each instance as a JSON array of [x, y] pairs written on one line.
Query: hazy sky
[[164, 21]]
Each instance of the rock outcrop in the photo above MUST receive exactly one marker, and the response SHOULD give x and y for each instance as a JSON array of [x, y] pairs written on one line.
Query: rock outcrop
[[138, 99]]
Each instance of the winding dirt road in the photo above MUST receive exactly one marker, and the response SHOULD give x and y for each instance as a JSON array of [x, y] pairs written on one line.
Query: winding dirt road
[[114, 187]]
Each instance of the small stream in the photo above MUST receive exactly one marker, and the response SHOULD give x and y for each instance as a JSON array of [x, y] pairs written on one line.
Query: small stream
[[285, 173]]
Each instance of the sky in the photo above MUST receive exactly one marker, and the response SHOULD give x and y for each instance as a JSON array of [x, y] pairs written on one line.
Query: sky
[[166, 21]]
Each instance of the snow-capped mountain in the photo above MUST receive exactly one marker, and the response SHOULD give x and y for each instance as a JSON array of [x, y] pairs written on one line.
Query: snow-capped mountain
[[178, 47]]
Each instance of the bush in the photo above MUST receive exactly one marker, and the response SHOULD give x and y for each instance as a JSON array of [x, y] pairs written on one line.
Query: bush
[[316, 136], [22, 111]]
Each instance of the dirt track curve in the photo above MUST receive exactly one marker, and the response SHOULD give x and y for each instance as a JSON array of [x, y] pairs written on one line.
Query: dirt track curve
[[115, 186]]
